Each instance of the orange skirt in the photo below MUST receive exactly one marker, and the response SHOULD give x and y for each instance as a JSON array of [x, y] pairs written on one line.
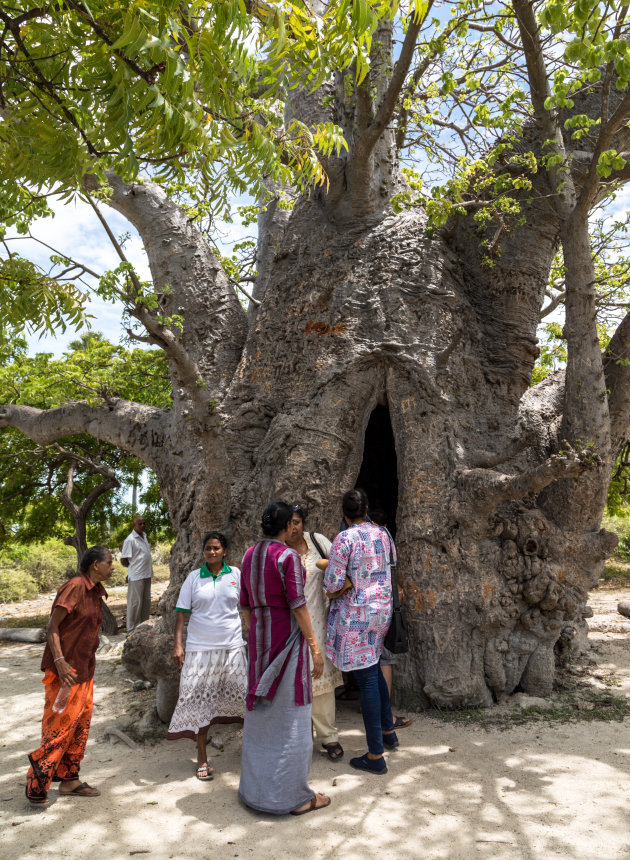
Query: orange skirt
[[64, 737]]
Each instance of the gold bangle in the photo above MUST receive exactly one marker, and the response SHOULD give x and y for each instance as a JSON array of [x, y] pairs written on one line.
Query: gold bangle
[[316, 653]]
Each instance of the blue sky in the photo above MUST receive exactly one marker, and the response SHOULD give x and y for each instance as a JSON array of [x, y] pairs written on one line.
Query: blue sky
[[76, 231]]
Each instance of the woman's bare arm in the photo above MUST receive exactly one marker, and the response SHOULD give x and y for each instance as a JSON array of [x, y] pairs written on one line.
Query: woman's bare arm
[[178, 649], [64, 669], [304, 623]]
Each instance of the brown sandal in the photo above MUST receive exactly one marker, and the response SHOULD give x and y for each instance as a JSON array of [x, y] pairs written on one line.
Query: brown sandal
[[313, 805], [205, 772], [81, 790]]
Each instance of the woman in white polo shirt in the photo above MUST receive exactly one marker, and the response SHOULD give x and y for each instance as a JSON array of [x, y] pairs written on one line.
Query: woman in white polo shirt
[[213, 682]]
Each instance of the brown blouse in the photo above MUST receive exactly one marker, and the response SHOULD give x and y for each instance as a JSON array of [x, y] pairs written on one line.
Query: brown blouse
[[78, 632]]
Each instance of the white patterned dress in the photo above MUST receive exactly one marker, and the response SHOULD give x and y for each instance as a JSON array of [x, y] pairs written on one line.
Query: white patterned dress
[[318, 607], [213, 682]]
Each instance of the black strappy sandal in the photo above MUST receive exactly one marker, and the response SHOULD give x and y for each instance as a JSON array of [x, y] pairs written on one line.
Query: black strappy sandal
[[334, 751]]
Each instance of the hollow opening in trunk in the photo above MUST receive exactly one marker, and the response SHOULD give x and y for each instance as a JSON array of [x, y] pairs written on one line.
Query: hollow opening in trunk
[[378, 475]]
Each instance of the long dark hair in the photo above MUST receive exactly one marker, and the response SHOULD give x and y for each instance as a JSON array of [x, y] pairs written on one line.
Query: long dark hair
[[354, 504], [275, 518], [94, 553]]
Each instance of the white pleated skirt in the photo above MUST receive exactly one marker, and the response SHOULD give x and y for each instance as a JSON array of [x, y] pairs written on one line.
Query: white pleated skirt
[[212, 689]]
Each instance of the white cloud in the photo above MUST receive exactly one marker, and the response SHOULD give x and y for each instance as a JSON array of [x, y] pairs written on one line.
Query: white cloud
[[76, 232]]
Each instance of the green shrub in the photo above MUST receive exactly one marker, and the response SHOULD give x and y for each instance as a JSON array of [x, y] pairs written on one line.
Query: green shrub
[[13, 554], [118, 577], [161, 553], [161, 573], [49, 564], [623, 547], [16, 585], [616, 573]]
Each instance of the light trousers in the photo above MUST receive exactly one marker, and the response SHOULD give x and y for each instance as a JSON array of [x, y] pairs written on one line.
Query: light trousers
[[324, 718], [138, 602]]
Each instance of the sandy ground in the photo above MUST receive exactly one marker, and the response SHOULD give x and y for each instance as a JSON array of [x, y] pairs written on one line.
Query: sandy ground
[[453, 790]]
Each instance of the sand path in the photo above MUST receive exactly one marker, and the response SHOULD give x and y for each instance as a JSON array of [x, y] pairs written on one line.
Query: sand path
[[454, 790]]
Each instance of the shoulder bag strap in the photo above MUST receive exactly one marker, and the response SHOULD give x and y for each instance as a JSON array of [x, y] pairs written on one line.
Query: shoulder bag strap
[[316, 545], [392, 568]]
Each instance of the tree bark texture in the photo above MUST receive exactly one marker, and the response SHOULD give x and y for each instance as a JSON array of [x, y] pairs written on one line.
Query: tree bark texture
[[500, 487], [356, 316]]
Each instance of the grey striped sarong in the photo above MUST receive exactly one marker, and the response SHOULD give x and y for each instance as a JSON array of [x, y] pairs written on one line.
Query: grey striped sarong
[[277, 750]]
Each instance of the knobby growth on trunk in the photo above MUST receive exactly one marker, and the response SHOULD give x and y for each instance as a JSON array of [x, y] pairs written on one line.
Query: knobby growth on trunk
[[369, 326]]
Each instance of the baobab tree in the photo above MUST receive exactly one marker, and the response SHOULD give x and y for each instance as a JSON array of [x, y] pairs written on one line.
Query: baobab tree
[[391, 335]]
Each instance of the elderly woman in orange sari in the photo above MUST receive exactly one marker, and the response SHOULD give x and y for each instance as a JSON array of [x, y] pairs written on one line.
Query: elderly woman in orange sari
[[68, 663]]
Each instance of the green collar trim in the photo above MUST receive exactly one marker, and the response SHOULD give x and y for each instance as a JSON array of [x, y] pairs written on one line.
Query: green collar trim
[[205, 571]]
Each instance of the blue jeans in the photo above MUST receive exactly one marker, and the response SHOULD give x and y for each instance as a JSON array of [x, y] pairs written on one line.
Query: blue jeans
[[375, 706]]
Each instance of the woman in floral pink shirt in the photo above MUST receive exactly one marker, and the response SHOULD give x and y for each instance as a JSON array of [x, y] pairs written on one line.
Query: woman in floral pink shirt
[[359, 619]]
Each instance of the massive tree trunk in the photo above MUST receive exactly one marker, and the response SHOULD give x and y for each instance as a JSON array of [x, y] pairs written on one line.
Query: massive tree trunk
[[384, 356], [379, 320]]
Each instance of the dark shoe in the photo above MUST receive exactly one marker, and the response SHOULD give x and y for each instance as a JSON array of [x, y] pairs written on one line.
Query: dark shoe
[[372, 765], [390, 740], [401, 722], [335, 751], [37, 801]]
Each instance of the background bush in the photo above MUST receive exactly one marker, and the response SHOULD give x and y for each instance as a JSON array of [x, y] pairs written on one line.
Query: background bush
[[16, 585], [161, 553], [118, 576], [29, 570], [619, 523], [49, 564], [623, 547]]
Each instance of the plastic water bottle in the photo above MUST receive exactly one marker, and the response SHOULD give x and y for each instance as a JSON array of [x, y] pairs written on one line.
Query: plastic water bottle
[[61, 701]]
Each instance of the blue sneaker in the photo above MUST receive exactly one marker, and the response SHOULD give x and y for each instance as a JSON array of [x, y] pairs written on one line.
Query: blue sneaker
[[372, 765], [390, 740]]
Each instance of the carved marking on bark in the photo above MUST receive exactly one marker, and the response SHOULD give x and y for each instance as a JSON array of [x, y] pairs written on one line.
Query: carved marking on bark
[[322, 328]]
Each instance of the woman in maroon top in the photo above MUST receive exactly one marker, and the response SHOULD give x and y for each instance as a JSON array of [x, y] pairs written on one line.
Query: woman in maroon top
[[68, 662], [277, 739]]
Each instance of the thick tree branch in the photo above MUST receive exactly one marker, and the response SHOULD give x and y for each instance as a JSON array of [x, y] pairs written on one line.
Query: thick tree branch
[[188, 373], [133, 427], [110, 483], [554, 302], [86, 505], [187, 277], [93, 467], [487, 489], [548, 121], [488, 460], [385, 110]]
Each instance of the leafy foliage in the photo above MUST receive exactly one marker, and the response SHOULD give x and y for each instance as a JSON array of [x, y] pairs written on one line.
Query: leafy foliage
[[34, 477], [122, 85], [190, 94]]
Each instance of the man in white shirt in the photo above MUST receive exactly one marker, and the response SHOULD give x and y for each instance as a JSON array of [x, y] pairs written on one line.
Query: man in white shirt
[[136, 557]]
